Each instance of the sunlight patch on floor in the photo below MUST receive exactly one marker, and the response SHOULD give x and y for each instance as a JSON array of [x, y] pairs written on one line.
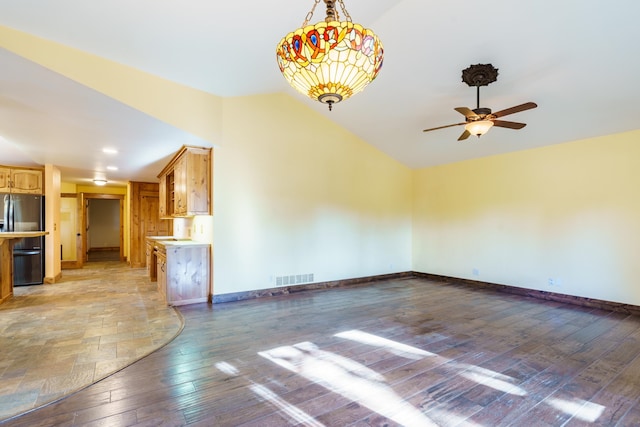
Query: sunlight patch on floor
[[492, 379], [348, 378], [362, 385], [581, 409], [227, 368], [394, 347], [295, 413]]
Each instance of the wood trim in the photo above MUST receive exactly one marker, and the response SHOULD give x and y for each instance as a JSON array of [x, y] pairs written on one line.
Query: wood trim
[[52, 280], [104, 249], [284, 290], [177, 155], [69, 265], [544, 295], [84, 198], [477, 285]]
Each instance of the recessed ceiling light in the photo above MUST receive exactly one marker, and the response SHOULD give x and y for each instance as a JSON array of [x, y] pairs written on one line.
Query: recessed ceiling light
[[112, 168], [100, 182], [110, 150]]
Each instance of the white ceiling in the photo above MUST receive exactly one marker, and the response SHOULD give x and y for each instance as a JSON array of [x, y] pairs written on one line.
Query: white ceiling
[[577, 59]]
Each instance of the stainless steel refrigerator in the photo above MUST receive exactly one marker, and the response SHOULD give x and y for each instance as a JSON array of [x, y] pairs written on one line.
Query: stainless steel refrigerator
[[25, 212]]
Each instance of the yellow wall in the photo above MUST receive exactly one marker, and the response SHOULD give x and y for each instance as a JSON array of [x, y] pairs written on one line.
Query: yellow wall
[[296, 194], [566, 212]]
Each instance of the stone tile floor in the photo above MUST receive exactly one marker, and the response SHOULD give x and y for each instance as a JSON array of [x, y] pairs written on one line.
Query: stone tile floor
[[56, 339]]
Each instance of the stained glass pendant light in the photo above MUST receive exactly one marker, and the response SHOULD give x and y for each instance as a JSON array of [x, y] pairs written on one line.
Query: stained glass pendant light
[[331, 60]]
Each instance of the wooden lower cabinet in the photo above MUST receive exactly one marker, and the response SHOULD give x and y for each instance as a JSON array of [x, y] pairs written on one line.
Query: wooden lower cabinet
[[6, 270], [152, 265], [161, 268], [183, 272]]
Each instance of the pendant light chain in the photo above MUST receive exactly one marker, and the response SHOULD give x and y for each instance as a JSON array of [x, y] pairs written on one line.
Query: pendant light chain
[[333, 12], [344, 10], [310, 14]]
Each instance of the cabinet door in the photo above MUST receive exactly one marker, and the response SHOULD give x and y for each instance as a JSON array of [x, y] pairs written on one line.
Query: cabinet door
[[187, 277], [26, 181], [152, 263], [162, 194], [180, 187], [161, 267], [5, 179], [187, 182], [198, 182]]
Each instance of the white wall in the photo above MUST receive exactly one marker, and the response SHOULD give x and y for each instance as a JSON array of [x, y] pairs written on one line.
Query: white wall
[[566, 212]]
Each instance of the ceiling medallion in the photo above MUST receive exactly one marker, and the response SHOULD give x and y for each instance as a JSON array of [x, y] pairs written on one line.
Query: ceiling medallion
[[331, 60]]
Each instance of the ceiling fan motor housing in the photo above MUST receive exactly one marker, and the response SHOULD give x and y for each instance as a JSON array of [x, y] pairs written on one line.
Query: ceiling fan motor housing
[[482, 113]]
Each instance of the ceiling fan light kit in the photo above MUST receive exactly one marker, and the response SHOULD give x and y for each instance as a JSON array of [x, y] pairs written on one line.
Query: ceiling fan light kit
[[479, 120], [331, 60], [479, 127]]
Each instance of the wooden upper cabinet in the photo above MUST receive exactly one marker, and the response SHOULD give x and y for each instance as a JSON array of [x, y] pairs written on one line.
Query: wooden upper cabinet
[[162, 194], [26, 181], [19, 180], [180, 192], [185, 184], [5, 180]]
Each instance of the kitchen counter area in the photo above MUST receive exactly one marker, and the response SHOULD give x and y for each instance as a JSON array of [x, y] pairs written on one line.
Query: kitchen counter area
[[181, 268], [7, 240]]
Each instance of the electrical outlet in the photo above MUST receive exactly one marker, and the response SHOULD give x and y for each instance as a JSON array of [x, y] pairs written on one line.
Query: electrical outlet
[[554, 281]]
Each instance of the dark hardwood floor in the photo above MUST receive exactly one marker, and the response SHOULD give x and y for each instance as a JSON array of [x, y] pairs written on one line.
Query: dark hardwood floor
[[104, 255], [400, 352]]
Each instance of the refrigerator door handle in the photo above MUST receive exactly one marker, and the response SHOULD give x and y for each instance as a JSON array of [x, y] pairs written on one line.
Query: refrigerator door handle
[[5, 213], [11, 203]]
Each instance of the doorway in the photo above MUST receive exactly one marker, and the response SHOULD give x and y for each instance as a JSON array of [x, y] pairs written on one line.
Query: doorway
[[70, 231], [102, 222]]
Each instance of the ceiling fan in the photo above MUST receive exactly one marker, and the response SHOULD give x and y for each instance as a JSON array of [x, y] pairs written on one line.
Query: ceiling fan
[[479, 120]]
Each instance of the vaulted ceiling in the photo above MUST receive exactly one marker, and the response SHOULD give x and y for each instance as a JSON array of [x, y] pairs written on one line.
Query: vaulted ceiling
[[577, 59]]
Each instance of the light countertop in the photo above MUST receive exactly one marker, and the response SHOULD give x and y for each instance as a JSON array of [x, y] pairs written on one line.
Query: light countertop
[[168, 243], [7, 235]]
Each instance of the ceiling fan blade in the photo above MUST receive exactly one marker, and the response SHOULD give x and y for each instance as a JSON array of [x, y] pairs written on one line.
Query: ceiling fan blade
[[466, 112], [447, 126], [510, 125], [466, 134], [516, 109]]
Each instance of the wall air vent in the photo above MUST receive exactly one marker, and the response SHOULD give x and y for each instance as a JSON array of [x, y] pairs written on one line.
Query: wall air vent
[[293, 279]]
